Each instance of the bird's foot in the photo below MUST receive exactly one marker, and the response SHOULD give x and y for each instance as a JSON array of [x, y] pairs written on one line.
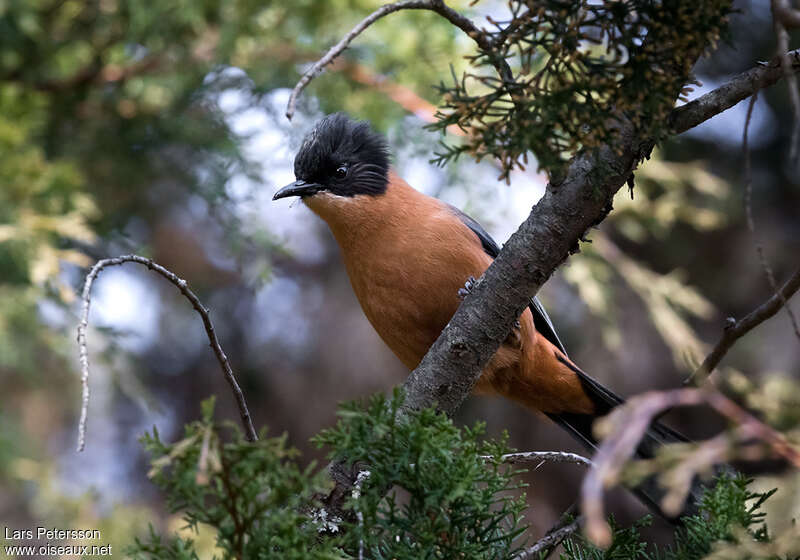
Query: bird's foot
[[468, 285]]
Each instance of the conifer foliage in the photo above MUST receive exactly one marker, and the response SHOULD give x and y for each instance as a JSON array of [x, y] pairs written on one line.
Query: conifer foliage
[[574, 68], [429, 492]]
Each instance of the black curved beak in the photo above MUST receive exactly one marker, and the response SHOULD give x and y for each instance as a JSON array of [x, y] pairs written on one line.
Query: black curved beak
[[298, 188]]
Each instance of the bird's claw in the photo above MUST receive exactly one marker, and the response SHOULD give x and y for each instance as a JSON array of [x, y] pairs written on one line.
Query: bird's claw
[[468, 285]]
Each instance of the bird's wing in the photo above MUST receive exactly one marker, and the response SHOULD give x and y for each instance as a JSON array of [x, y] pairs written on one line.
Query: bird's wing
[[541, 319]]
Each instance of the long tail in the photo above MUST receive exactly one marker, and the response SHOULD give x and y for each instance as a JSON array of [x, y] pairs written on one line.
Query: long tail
[[580, 427]]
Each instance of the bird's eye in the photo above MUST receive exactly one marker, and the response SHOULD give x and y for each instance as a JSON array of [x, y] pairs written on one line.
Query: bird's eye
[[341, 172]]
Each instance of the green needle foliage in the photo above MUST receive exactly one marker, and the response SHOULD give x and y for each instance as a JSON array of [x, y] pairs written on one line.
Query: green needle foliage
[[577, 66], [252, 494], [727, 509], [444, 499], [425, 489]]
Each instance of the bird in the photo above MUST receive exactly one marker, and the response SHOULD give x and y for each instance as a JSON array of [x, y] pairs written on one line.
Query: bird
[[411, 259]]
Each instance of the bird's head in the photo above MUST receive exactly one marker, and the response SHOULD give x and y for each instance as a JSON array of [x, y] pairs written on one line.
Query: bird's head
[[340, 157]]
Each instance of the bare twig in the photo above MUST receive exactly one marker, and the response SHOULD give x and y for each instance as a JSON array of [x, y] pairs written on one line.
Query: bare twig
[[549, 541], [437, 6], [541, 457], [751, 224], [404, 96], [734, 330], [748, 173], [754, 427], [729, 94], [784, 16], [630, 421], [748, 204], [181, 284], [618, 447]]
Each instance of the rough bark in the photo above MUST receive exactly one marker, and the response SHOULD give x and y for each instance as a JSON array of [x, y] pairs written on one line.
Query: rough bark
[[544, 240], [729, 94], [553, 230]]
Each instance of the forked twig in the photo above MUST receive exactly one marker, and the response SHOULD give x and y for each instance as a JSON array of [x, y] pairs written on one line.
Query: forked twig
[[181, 284], [734, 330], [437, 6]]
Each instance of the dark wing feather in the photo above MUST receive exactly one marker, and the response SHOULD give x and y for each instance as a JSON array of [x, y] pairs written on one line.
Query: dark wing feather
[[543, 324], [580, 425], [541, 319], [489, 245]]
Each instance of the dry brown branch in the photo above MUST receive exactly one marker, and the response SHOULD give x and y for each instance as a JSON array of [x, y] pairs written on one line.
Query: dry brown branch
[[551, 540], [625, 428], [181, 284], [631, 422], [753, 427], [437, 6], [734, 329], [540, 457]]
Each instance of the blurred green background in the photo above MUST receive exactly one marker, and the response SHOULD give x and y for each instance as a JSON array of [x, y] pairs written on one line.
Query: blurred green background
[[158, 128]]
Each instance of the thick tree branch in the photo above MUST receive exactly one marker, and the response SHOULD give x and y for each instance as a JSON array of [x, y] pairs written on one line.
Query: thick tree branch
[[550, 233], [571, 205], [437, 6], [181, 284], [729, 94], [734, 330], [546, 238]]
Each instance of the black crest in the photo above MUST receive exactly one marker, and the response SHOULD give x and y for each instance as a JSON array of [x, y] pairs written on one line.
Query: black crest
[[344, 157]]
